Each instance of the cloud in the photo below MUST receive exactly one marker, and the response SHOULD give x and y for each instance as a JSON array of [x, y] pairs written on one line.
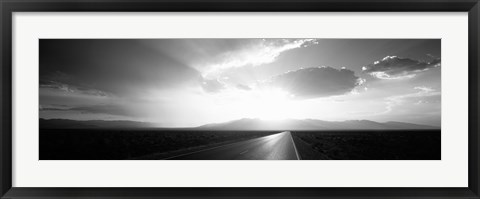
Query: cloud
[[422, 92], [384, 75], [212, 85], [393, 67], [258, 52], [424, 89], [105, 109], [72, 89], [53, 107], [109, 109], [360, 81], [316, 82], [124, 67], [243, 87]]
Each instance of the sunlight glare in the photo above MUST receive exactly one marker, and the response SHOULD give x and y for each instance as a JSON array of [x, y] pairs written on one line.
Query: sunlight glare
[[270, 104]]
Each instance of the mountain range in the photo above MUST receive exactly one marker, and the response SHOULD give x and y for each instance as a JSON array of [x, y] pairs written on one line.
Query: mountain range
[[90, 124], [311, 124], [244, 124]]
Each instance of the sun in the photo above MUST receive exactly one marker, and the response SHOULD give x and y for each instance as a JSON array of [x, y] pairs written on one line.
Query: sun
[[265, 103], [270, 104]]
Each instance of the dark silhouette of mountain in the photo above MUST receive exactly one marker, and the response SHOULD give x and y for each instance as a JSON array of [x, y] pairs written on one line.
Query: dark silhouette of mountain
[[311, 124], [241, 124], [75, 124]]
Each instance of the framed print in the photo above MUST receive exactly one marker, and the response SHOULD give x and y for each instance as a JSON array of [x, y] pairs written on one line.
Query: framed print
[[239, 99]]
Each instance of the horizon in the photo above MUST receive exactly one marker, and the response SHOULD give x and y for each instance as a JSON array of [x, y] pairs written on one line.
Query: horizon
[[257, 119], [182, 83]]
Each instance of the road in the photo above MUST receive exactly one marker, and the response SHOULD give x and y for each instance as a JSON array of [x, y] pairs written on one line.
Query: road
[[278, 146]]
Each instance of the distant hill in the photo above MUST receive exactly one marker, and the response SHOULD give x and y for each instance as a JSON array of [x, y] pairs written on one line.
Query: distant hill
[[310, 124], [76, 124], [241, 124]]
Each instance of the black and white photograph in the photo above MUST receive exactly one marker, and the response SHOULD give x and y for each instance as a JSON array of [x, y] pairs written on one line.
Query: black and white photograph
[[240, 99]]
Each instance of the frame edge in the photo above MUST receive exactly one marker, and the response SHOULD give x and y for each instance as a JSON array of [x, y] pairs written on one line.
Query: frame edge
[[8, 7]]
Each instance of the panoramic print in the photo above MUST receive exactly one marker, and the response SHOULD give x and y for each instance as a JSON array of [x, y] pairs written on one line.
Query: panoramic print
[[240, 99]]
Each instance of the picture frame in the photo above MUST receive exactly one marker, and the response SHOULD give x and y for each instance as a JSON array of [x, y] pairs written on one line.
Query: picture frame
[[8, 7]]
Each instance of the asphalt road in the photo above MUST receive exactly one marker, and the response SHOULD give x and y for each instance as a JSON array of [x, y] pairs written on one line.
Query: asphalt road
[[278, 146]]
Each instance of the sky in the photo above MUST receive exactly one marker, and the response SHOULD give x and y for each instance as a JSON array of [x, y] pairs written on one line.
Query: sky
[[192, 82]]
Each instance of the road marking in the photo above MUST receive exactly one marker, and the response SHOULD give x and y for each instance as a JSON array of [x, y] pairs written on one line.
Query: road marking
[[176, 156], [243, 152], [294, 147]]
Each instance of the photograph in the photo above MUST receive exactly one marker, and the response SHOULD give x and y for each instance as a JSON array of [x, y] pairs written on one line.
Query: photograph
[[240, 99]]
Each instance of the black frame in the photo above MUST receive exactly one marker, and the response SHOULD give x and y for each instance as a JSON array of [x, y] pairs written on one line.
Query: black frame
[[10, 6]]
